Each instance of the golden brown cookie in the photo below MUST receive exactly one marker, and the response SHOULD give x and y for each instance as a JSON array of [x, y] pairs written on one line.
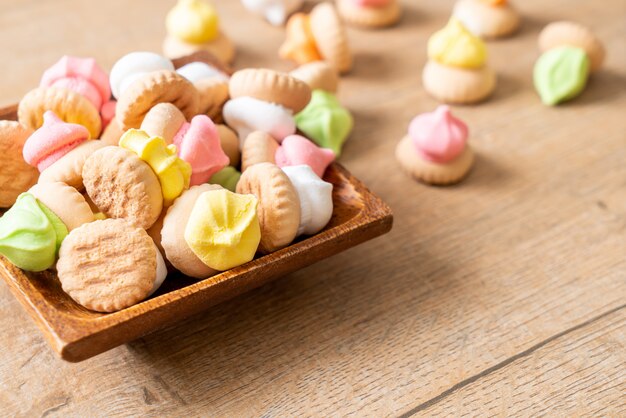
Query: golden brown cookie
[[230, 144], [123, 186], [330, 37], [270, 86], [458, 85], [16, 176], [259, 147], [163, 120], [487, 20], [431, 172], [369, 17], [98, 271], [319, 75], [66, 203], [156, 87], [563, 33], [212, 93], [279, 205], [69, 168], [112, 133], [221, 47], [173, 241], [68, 105]]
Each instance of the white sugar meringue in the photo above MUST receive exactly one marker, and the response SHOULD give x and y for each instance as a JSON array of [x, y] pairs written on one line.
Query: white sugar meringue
[[196, 71], [132, 66], [274, 11], [161, 271], [246, 115], [316, 198]]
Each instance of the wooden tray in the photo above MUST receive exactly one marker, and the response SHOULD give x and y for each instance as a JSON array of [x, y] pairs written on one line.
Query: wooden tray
[[76, 333]]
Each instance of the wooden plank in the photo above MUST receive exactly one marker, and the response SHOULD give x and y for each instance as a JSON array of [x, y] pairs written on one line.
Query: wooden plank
[[530, 245], [581, 372]]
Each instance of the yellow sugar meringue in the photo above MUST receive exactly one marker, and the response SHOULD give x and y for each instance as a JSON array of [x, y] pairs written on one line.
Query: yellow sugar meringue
[[455, 46], [193, 21], [174, 174], [223, 229]]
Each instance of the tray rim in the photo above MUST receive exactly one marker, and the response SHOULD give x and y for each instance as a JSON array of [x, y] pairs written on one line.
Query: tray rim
[[71, 337]]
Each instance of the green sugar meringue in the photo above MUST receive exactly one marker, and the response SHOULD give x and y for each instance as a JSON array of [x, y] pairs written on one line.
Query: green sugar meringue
[[31, 234], [227, 177], [325, 121], [560, 74]]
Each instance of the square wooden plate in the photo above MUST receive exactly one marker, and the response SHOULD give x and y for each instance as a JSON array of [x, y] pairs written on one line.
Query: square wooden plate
[[76, 333]]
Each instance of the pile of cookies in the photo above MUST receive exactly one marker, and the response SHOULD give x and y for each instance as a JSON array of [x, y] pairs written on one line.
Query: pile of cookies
[[114, 180]]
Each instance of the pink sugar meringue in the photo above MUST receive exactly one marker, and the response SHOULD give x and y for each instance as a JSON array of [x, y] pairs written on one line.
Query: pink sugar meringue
[[107, 113], [52, 141], [297, 150], [372, 3], [80, 71], [198, 143], [438, 136]]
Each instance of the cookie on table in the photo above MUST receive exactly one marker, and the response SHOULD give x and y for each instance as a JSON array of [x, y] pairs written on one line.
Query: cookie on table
[[436, 151]]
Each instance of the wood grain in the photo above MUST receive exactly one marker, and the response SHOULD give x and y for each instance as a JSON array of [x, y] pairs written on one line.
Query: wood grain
[[554, 375], [529, 246]]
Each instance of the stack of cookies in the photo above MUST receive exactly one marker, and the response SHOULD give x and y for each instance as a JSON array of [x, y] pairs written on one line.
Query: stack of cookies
[[114, 180]]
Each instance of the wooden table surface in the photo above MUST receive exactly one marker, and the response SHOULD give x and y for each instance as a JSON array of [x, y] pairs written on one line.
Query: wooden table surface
[[504, 295]]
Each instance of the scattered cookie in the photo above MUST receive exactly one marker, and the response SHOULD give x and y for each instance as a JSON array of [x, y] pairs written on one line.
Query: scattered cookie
[[558, 34], [193, 25], [487, 18], [274, 11], [457, 71], [436, 151], [369, 13], [318, 36]]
